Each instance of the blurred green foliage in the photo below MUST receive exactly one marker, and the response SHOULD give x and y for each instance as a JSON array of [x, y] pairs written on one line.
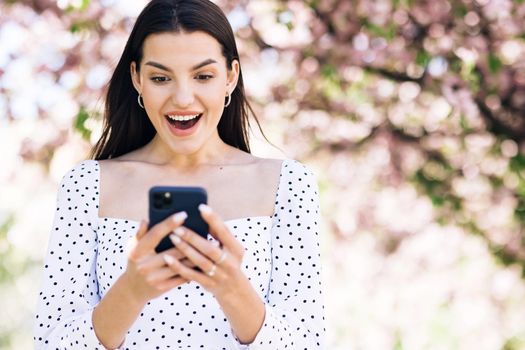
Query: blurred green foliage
[[80, 123], [406, 94]]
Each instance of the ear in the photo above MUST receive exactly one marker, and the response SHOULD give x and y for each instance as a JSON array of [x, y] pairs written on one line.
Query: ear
[[233, 76], [135, 77]]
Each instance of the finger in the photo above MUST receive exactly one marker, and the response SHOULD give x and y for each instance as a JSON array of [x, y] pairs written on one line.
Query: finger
[[172, 283], [174, 252], [219, 229], [200, 260], [188, 273], [143, 228], [131, 247], [205, 247], [152, 262], [162, 274], [188, 263], [159, 231]]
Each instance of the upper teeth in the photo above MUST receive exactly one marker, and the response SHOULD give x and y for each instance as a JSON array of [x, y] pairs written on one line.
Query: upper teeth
[[181, 118]]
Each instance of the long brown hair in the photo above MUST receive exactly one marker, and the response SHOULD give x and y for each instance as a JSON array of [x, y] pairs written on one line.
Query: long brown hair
[[126, 125]]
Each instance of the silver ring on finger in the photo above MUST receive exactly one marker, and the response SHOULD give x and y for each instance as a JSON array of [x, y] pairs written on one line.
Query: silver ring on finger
[[222, 257], [212, 271]]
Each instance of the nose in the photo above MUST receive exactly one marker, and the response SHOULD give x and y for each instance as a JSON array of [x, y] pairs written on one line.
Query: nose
[[182, 96]]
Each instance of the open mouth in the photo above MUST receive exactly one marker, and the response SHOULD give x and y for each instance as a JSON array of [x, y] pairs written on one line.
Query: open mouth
[[183, 122]]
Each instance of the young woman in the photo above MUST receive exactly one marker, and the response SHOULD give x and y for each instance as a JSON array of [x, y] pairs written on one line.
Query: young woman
[[176, 114]]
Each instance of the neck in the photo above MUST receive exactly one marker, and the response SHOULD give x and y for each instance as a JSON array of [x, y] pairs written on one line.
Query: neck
[[159, 153]]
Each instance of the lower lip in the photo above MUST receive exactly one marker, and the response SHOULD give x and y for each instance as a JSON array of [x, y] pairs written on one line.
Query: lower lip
[[183, 132]]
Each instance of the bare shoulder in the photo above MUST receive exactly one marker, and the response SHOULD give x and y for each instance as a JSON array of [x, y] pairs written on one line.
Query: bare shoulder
[[269, 166], [255, 185], [119, 166], [267, 172], [114, 174], [262, 167], [112, 169]]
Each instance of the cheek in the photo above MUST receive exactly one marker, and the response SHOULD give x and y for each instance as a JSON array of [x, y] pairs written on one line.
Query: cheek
[[213, 95], [154, 99], [218, 100], [155, 90], [154, 95]]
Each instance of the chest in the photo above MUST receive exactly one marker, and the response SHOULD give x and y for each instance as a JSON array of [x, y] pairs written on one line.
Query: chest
[[233, 193]]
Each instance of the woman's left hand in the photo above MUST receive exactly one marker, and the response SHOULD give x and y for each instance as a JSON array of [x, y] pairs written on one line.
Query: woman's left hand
[[220, 265], [220, 274]]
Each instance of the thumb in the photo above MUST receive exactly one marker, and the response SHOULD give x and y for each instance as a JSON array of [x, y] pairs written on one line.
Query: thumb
[[133, 241], [143, 228]]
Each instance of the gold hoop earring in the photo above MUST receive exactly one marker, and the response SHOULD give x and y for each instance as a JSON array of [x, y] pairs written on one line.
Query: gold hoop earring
[[139, 101], [229, 97]]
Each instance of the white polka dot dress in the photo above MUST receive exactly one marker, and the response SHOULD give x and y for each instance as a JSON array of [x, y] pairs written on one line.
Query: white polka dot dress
[[86, 255]]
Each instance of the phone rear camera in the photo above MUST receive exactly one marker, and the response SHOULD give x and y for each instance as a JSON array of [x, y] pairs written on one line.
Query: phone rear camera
[[167, 198], [157, 204], [162, 200]]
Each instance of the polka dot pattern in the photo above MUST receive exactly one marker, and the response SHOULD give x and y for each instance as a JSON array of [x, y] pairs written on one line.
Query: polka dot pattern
[[86, 255]]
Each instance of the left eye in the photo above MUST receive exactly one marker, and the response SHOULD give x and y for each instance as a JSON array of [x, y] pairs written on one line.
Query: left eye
[[203, 76]]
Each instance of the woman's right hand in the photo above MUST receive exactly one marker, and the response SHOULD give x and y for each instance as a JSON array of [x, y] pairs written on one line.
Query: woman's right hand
[[147, 274]]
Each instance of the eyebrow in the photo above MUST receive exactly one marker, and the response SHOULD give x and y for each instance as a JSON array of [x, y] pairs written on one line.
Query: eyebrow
[[195, 67]]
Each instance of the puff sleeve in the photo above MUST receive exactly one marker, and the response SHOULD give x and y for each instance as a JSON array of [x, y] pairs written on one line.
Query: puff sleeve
[[69, 291], [294, 305]]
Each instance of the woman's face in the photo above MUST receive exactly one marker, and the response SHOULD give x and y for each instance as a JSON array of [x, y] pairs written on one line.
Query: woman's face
[[184, 80]]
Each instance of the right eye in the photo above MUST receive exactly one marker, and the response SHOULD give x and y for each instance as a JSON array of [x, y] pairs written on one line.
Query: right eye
[[159, 79]]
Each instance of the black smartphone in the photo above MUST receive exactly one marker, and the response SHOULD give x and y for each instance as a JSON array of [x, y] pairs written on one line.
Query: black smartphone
[[165, 201]]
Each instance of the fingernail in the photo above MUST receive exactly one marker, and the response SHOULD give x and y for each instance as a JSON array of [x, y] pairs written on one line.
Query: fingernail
[[168, 259], [180, 216], [179, 231], [204, 208], [175, 239]]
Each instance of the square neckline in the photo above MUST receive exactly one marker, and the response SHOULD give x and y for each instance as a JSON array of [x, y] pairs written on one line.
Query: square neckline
[[245, 218]]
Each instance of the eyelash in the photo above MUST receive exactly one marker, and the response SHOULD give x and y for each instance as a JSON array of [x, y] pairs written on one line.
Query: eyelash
[[159, 79], [202, 77]]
